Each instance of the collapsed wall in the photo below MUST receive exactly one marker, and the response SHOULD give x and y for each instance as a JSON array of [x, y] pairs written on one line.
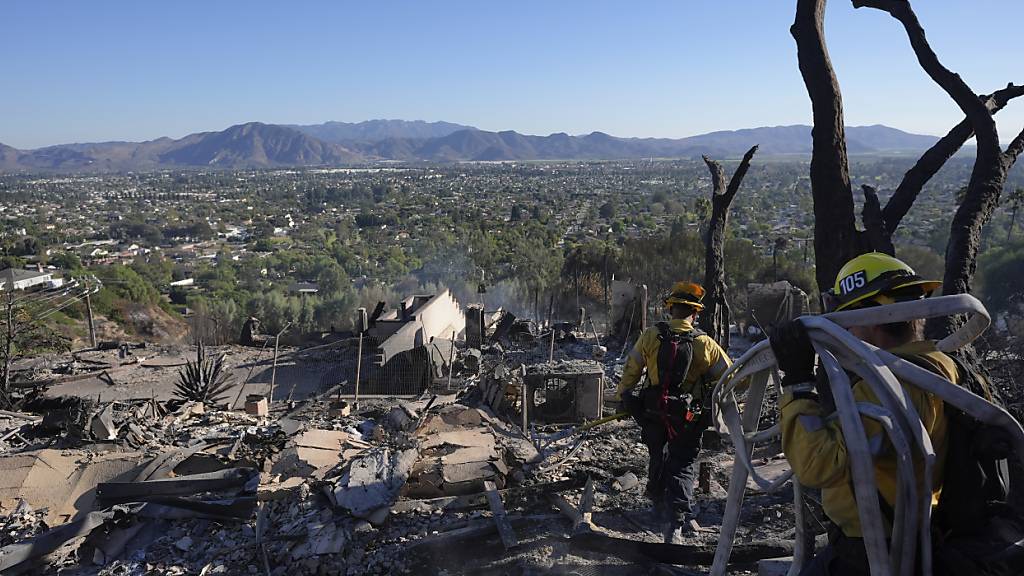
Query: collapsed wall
[[417, 321]]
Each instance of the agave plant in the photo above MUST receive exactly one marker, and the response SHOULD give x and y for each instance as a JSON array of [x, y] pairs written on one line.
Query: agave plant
[[204, 380]]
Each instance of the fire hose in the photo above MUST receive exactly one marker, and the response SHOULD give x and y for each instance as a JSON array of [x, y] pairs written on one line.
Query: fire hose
[[882, 372]]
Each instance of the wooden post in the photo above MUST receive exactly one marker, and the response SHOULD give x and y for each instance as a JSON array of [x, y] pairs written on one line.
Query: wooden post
[[451, 359], [359, 368], [273, 372], [508, 535], [88, 313], [551, 350], [525, 405]]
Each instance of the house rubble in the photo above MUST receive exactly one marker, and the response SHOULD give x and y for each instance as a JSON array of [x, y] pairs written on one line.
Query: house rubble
[[493, 471]]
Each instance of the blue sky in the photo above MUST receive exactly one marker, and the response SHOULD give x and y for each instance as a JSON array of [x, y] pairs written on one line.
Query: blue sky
[[76, 71]]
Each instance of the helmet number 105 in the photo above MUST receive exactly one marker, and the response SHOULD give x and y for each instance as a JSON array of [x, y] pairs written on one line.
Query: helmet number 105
[[853, 282]]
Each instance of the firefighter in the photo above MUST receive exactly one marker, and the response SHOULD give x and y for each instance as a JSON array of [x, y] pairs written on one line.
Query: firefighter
[[814, 446], [673, 407]]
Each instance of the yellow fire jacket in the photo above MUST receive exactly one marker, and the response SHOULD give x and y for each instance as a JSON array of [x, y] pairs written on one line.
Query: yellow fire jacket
[[815, 448], [708, 364]]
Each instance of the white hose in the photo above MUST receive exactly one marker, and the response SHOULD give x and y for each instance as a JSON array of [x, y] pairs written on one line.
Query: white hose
[[862, 467], [883, 373]]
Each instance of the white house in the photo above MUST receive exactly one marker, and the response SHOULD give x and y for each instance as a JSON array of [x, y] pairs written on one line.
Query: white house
[[16, 279]]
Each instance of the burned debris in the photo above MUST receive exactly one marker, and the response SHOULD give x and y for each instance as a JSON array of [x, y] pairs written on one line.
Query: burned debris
[[484, 432]]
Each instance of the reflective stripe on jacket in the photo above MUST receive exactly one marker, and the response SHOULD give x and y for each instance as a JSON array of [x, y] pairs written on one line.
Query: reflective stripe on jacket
[[817, 452], [708, 364]]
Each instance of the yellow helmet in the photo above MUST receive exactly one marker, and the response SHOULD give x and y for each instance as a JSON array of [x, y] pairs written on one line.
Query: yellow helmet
[[687, 293], [876, 278]]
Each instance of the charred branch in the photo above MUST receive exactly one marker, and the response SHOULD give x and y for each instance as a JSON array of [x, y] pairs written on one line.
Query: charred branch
[[1013, 151], [935, 158], [990, 167]]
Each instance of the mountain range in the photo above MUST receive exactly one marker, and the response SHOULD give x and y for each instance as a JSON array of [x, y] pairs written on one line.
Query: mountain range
[[258, 145]]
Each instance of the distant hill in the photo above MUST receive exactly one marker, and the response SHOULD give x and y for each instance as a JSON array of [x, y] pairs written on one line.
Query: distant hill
[[797, 140], [255, 145], [480, 145], [377, 130], [251, 145]]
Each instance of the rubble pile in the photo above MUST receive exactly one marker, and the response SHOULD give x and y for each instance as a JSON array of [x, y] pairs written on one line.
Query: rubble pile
[[500, 476]]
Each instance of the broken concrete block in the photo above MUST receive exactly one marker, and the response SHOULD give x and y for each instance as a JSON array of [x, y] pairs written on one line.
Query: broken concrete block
[[183, 544], [311, 451], [373, 481], [520, 451], [470, 454], [626, 482], [339, 409], [450, 418], [280, 490], [467, 472], [459, 415], [257, 405], [464, 438]]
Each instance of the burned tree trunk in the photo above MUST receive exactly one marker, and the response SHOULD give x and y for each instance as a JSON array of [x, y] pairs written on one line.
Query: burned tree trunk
[[879, 239], [717, 315], [990, 167], [835, 233]]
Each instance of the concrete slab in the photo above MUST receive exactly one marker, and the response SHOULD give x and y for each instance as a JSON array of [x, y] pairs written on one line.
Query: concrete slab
[[323, 439], [470, 454], [465, 438], [313, 450], [63, 482], [468, 472]]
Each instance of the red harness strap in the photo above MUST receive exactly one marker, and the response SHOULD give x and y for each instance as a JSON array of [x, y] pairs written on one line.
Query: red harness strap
[[670, 430]]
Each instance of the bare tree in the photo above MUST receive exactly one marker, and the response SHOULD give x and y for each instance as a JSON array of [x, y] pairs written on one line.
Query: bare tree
[[836, 238], [991, 165], [717, 315]]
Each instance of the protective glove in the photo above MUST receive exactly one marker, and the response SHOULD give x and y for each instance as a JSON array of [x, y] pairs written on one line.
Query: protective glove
[[795, 355], [632, 404]]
